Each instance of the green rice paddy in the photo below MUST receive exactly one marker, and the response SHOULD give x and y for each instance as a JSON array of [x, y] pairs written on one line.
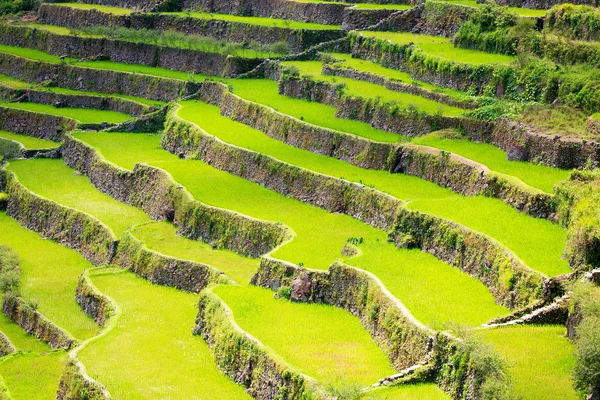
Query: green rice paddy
[[49, 275], [29, 142], [371, 90], [322, 341], [98, 7], [540, 357], [316, 248], [419, 391], [371, 6], [262, 21], [487, 215], [33, 376], [83, 115], [13, 83], [442, 48], [538, 176]]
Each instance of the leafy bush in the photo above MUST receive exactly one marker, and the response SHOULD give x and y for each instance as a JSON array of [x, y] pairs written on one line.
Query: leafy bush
[[17, 6]]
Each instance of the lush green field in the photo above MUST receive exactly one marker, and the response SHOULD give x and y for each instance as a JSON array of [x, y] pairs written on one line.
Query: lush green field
[[264, 91], [525, 12], [30, 54], [371, 90], [141, 69], [151, 352], [33, 376], [538, 242], [541, 359], [83, 115], [29, 142], [19, 338], [329, 344], [108, 9], [420, 391], [317, 248], [76, 191], [378, 69], [442, 47], [49, 274], [274, 22], [371, 6], [538, 176], [12, 82], [162, 237]]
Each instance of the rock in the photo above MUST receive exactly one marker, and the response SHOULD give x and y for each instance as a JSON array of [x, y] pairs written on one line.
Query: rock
[[301, 288], [517, 153]]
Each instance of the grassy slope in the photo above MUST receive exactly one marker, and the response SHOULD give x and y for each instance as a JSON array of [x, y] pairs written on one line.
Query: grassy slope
[[12, 82], [324, 342], [419, 391], [162, 237], [83, 115], [21, 339], [317, 248], [264, 21], [541, 359], [371, 90], [108, 9], [442, 47], [49, 274], [265, 91], [29, 142], [378, 69], [151, 352], [487, 215], [33, 376], [76, 191], [538, 176]]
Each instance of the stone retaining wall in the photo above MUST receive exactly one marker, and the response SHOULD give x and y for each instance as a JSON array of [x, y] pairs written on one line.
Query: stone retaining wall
[[230, 31], [244, 359], [67, 226], [404, 340], [95, 80], [511, 283], [126, 52], [34, 323], [335, 195], [163, 270], [457, 173], [74, 100], [322, 13], [156, 192], [41, 126], [93, 303], [363, 19], [76, 385], [6, 347], [396, 86]]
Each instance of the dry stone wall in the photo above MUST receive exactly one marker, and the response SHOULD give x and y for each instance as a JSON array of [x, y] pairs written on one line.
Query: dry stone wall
[[41, 126], [93, 303]]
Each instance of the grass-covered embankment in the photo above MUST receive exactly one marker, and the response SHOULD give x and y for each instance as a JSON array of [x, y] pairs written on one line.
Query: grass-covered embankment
[[314, 248], [29, 142], [83, 115]]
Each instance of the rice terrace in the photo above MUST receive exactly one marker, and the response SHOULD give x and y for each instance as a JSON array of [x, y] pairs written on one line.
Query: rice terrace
[[300, 199]]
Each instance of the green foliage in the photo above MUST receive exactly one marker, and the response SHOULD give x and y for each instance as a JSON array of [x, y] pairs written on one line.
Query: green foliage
[[17, 6], [10, 274]]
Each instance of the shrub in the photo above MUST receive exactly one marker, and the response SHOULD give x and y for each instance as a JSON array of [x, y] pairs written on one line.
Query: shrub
[[17, 6], [9, 270]]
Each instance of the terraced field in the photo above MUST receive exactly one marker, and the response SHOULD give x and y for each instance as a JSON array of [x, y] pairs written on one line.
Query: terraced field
[[294, 200]]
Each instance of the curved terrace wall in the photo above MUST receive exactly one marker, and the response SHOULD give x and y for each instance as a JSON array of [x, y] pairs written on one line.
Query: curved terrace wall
[[95, 80], [156, 192], [231, 31], [474, 253], [93, 303], [244, 359], [451, 171], [64, 225], [42, 126], [125, 52]]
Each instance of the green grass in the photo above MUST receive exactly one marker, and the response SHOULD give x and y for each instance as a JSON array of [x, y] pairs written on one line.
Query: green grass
[[141, 69], [151, 352], [33, 376], [162, 237], [541, 359], [538, 176], [29, 142], [442, 48], [49, 274], [378, 69], [54, 180], [371, 6], [13, 83], [322, 341], [371, 90], [107, 9], [21, 339], [30, 54], [152, 103], [263, 21], [316, 248], [83, 115], [264, 91], [538, 242], [524, 12], [418, 391]]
